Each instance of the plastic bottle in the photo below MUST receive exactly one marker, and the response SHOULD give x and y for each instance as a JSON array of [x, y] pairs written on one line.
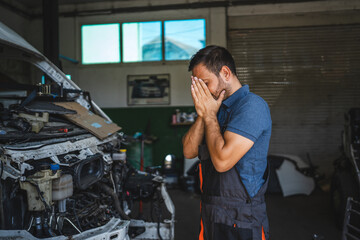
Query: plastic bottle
[[120, 156], [62, 187], [177, 115]]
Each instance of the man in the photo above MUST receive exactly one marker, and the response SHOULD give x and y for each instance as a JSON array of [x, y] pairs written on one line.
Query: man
[[231, 138]]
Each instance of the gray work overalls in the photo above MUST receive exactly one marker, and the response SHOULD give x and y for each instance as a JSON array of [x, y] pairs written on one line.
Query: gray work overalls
[[227, 211]]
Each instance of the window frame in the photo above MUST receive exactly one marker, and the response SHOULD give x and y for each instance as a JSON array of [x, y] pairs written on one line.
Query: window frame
[[100, 63], [135, 63], [161, 37], [164, 47]]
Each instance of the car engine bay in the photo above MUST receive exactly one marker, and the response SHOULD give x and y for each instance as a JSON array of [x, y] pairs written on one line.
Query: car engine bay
[[59, 179]]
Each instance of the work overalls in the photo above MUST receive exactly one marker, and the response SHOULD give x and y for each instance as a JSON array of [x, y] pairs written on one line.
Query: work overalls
[[227, 211]]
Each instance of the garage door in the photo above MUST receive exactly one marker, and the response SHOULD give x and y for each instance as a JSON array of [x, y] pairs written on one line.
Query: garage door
[[310, 76]]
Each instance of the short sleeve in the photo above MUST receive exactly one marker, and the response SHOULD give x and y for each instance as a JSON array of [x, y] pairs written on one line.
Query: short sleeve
[[250, 119]]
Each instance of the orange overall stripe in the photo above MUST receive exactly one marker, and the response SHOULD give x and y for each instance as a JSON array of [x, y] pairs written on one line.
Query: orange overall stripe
[[201, 234], [201, 177], [263, 234]]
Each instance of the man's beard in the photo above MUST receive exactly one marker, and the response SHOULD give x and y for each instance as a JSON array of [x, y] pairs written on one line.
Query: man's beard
[[221, 87]]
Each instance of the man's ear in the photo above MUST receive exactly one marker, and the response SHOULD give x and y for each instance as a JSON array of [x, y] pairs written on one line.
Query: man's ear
[[225, 73]]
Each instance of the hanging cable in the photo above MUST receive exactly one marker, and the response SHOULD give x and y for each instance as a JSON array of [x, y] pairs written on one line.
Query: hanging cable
[[41, 195]]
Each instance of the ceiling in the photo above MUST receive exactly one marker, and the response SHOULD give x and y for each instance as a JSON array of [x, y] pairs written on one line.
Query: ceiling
[[37, 3], [33, 8]]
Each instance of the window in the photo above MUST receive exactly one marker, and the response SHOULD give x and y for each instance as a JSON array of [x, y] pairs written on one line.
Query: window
[[183, 38], [100, 43], [142, 41]]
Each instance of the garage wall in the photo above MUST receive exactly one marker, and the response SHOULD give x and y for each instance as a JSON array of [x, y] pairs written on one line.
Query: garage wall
[[303, 59], [300, 126], [107, 82], [15, 21], [154, 121]]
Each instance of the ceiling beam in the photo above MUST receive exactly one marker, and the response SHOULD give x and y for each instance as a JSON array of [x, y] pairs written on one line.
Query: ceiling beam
[[16, 9], [193, 5]]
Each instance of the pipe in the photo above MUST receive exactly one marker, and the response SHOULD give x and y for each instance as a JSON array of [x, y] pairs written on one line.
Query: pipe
[[105, 188], [65, 218]]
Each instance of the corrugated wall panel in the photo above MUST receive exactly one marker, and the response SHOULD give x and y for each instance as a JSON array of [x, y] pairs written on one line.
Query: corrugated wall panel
[[310, 76]]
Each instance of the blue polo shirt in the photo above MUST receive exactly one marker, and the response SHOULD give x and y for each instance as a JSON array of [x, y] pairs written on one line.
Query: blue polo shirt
[[249, 116]]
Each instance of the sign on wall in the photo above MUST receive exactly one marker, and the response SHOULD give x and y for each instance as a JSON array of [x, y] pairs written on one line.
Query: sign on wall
[[152, 89]]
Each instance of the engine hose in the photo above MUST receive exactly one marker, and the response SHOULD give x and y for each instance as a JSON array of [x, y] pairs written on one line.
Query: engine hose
[[116, 179], [110, 191], [76, 217]]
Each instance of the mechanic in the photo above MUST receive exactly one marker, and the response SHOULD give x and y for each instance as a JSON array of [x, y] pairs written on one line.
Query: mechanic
[[231, 138]]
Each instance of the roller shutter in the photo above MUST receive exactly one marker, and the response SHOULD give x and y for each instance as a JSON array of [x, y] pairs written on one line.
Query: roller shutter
[[310, 76]]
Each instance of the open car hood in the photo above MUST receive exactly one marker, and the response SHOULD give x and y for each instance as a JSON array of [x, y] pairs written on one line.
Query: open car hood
[[13, 46], [11, 38]]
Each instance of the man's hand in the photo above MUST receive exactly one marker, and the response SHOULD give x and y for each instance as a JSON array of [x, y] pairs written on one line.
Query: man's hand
[[205, 104]]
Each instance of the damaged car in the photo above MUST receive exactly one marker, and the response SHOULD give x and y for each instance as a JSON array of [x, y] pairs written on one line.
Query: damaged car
[[63, 174]]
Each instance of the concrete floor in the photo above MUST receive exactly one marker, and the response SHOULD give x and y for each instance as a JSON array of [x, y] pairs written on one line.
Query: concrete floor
[[295, 217]]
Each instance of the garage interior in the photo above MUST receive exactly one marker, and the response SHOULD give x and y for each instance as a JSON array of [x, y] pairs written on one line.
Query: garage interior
[[302, 57]]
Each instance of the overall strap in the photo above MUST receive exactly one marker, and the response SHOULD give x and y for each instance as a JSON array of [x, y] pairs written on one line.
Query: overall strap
[[223, 128]]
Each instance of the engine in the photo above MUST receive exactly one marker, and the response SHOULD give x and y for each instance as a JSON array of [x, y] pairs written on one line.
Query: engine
[[73, 186]]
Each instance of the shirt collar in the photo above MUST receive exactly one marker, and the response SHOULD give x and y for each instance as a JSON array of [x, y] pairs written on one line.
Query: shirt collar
[[236, 96]]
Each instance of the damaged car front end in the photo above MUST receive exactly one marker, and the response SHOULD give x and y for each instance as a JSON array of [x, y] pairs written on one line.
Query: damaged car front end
[[59, 174]]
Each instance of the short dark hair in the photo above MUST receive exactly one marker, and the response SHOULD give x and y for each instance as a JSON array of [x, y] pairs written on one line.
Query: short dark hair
[[214, 58]]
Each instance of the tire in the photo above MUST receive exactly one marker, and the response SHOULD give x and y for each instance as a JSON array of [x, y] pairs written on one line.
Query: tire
[[343, 185]]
